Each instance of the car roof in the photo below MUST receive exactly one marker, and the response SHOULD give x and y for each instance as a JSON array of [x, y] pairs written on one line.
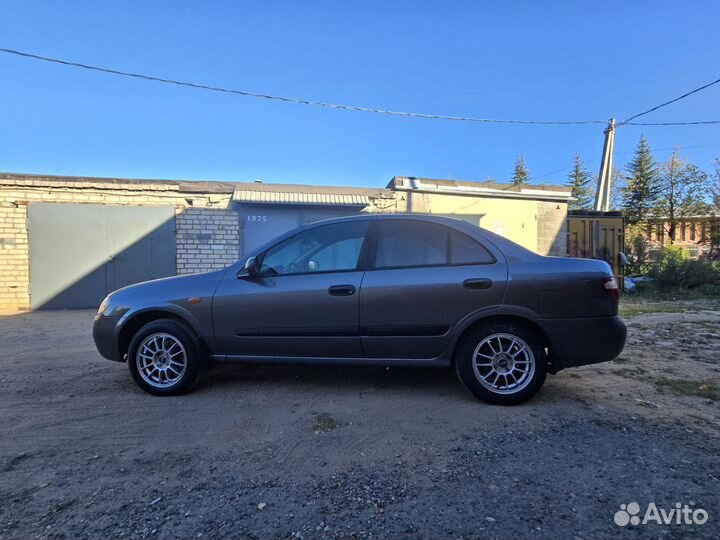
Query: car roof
[[433, 218]]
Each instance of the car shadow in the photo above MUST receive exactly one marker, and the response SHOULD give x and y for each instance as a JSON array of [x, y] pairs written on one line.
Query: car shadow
[[348, 378]]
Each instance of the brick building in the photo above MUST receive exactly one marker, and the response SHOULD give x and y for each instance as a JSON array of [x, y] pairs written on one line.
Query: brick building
[[698, 235], [67, 241]]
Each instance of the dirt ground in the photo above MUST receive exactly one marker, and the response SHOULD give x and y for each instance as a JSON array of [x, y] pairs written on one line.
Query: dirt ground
[[300, 452]]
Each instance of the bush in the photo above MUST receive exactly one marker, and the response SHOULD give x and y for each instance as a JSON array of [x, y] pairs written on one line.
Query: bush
[[637, 254], [672, 268]]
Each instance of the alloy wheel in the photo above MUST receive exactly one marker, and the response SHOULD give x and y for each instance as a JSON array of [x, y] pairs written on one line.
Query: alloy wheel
[[503, 363], [161, 360]]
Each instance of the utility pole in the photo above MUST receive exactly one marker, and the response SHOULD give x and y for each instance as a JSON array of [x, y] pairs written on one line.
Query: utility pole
[[602, 193]]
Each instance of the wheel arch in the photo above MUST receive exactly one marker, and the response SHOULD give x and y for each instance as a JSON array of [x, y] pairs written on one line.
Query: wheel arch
[[524, 321], [139, 319]]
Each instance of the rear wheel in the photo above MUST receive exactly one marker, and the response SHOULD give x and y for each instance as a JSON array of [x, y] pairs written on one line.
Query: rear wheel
[[165, 358], [502, 362]]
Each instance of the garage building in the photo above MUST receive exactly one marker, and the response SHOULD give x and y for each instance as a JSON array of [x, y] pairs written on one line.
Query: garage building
[[65, 242]]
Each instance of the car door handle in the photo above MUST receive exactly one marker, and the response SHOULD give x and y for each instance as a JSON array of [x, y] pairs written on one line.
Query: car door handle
[[477, 283], [342, 290]]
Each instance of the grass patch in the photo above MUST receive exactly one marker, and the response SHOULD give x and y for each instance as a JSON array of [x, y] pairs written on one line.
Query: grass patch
[[686, 387], [629, 311], [653, 293], [325, 422]]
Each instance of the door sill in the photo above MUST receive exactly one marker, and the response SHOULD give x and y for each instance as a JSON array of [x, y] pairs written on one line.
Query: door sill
[[326, 361]]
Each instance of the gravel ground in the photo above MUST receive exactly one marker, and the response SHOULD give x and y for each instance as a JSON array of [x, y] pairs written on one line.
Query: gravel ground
[[299, 452]]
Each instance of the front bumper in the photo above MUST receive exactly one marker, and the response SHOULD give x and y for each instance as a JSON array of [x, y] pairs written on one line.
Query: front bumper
[[105, 336], [578, 342]]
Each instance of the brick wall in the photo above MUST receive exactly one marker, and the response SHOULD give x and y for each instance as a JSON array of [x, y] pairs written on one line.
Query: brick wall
[[206, 239], [14, 256], [207, 227]]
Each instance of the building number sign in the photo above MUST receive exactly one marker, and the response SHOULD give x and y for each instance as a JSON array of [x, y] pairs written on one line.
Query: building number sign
[[258, 218]]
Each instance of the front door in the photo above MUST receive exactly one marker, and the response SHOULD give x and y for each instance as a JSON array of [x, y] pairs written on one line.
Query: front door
[[304, 303]]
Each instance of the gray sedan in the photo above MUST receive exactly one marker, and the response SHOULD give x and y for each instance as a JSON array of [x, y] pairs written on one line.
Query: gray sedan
[[388, 290]]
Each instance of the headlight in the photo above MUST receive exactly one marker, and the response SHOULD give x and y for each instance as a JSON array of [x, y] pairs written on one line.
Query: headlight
[[105, 304]]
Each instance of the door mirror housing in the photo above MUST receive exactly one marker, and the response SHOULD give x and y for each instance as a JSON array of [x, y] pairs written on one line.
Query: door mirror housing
[[251, 268]]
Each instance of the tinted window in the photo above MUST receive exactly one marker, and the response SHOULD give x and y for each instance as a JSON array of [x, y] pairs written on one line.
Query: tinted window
[[327, 248], [465, 250], [411, 243]]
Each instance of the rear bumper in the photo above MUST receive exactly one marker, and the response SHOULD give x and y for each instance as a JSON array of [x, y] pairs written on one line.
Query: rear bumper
[[106, 338], [578, 342]]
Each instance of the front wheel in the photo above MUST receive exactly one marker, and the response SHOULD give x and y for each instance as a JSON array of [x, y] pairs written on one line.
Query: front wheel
[[503, 363], [165, 358]]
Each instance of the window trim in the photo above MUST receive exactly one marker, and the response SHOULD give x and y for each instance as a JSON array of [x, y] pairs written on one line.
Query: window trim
[[357, 268], [375, 234]]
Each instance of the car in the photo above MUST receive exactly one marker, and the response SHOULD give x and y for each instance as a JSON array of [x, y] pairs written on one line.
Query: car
[[373, 290]]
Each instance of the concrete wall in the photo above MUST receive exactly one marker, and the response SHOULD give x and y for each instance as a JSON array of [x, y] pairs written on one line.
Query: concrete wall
[[208, 232], [552, 228], [537, 225]]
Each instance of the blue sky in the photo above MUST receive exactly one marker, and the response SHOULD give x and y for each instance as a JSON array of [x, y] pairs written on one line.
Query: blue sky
[[522, 60]]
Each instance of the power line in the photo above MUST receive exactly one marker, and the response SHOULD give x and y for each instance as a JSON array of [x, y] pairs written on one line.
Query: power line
[[698, 123], [355, 108], [294, 100], [691, 92]]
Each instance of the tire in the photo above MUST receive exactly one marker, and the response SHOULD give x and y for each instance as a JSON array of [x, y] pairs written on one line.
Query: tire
[[171, 355], [498, 371]]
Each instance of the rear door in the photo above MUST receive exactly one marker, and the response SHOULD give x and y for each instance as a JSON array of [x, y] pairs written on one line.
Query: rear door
[[303, 304], [423, 279]]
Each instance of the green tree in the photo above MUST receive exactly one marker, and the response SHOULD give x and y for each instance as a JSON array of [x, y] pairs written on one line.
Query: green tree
[[579, 180], [617, 189], [640, 193], [715, 187], [682, 193], [521, 174]]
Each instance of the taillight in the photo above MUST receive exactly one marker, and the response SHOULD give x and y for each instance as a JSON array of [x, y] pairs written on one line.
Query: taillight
[[611, 288]]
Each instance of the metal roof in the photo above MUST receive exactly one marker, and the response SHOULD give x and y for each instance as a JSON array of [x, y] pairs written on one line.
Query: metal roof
[[310, 195]]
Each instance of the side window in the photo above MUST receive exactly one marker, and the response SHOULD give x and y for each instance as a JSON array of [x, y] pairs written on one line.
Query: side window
[[328, 248], [411, 243], [465, 250]]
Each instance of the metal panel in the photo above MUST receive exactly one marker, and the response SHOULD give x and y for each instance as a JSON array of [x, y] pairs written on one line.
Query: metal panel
[[81, 252], [596, 235], [263, 222]]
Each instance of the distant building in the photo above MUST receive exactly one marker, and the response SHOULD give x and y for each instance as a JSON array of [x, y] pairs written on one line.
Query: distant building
[[698, 235], [65, 242]]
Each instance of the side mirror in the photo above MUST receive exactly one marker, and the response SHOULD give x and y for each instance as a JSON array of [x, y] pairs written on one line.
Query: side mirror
[[251, 268]]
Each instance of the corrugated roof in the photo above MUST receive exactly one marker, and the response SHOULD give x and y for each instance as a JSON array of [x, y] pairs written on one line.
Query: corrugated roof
[[303, 194]]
